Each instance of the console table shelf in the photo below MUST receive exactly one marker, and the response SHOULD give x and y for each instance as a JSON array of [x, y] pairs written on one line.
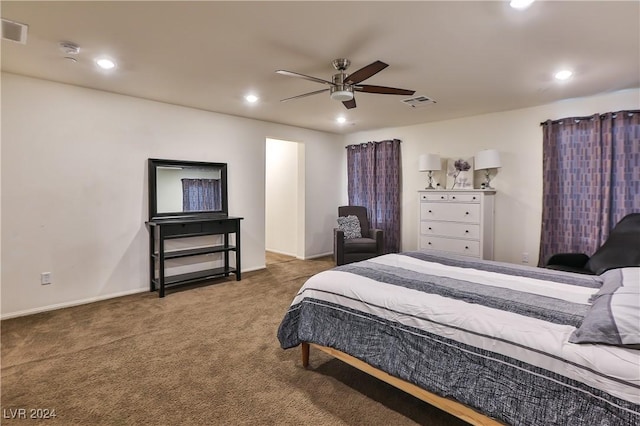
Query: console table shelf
[[162, 229], [174, 254], [192, 277]]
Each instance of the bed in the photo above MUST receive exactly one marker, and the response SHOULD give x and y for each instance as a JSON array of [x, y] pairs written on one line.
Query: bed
[[491, 343]]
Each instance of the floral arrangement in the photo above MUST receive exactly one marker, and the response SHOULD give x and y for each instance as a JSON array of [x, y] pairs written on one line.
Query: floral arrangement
[[460, 166]]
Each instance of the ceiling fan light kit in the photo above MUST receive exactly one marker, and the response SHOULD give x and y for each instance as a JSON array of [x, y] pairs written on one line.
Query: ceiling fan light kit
[[342, 86], [340, 91], [341, 95]]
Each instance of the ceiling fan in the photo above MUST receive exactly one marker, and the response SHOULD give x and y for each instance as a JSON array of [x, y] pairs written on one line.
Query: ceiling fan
[[342, 85]]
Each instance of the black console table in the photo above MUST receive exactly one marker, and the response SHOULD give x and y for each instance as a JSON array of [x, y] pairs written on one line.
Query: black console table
[[162, 229]]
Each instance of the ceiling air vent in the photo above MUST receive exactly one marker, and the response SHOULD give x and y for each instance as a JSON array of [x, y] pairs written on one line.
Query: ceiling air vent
[[14, 31], [418, 101]]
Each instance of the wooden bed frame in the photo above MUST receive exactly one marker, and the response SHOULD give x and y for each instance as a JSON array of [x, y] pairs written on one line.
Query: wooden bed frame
[[452, 407]]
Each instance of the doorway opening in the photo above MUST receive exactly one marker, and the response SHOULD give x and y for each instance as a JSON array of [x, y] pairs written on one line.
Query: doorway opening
[[284, 200]]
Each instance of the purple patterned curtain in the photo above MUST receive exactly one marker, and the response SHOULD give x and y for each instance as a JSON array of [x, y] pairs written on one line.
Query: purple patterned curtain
[[591, 180], [373, 181], [201, 195]]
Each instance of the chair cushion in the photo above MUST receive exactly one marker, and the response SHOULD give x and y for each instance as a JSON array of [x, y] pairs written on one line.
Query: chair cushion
[[360, 245], [350, 225]]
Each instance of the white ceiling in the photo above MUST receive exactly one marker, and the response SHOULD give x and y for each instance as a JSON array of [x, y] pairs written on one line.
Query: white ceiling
[[471, 57]]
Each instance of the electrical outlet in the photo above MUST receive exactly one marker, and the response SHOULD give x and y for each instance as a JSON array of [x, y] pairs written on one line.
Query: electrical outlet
[[45, 278], [525, 257]]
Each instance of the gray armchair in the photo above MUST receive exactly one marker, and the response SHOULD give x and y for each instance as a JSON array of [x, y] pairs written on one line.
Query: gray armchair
[[371, 244]]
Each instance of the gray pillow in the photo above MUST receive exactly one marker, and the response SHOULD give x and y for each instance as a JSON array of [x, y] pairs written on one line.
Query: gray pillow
[[614, 316], [350, 225]]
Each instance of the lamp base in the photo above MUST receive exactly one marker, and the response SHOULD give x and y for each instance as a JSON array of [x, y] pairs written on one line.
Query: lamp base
[[487, 179], [430, 180]]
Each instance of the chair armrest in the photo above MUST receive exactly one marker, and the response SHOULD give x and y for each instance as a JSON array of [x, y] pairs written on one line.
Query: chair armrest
[[378, 235], [338, 246], [575, 260]]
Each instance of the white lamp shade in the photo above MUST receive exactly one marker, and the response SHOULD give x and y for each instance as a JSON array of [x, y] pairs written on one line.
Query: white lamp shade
[[429, 162], [487, 159]]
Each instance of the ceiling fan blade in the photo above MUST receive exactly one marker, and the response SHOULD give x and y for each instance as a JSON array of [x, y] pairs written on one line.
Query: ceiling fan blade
[[306, 77], [367, 88], [350, 104], [304, 95], [366, 72]]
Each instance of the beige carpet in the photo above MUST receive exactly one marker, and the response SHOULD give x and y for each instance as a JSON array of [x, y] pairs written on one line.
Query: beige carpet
[[204, 355]]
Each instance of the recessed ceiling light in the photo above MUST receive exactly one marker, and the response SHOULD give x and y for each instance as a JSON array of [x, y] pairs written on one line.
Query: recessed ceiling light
[[341, 120], [251, 98], [105, 63], [520, 4], [563, 75]]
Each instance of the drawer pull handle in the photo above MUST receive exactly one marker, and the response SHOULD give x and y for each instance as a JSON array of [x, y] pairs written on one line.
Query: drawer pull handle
[[474, 198], [466, 247], [466, 231], [429, 211], [453, 198], [429, 243], [442, 198], [429, 228], [466, 213]]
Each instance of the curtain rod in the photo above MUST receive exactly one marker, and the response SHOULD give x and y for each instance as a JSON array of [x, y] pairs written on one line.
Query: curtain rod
[[365, 143], [603, 115]]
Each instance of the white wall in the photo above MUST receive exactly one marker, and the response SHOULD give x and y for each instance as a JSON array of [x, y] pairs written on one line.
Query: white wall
[[74, 187], [74, 190], [518, 136], [281, 190]]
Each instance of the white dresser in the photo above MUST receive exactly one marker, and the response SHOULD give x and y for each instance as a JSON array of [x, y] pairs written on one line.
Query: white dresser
[[457, 221]]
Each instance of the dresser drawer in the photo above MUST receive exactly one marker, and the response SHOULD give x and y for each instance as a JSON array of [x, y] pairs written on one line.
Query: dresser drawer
[[461, 197], [434, 196], [450, 229], [453, 212], [466, 248], [464, 198]]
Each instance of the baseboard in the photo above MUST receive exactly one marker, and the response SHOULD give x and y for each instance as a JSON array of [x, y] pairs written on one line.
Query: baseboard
[[284, 253], [73, 303], [315, 256], [89, 300]]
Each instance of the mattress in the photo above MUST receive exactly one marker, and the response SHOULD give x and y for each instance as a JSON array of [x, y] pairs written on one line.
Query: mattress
[[491, 335]]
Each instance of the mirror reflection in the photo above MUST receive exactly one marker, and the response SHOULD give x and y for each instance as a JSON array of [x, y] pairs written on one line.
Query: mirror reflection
[[188, 189]]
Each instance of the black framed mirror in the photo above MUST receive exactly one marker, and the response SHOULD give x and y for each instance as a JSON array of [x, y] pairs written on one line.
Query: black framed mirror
[[186, 188]]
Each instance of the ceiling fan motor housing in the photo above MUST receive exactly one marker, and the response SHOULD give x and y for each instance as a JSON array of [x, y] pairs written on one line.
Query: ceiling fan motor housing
[[340, 91]]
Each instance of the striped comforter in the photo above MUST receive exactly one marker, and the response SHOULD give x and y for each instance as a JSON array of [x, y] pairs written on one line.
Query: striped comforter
[[493, 336]]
